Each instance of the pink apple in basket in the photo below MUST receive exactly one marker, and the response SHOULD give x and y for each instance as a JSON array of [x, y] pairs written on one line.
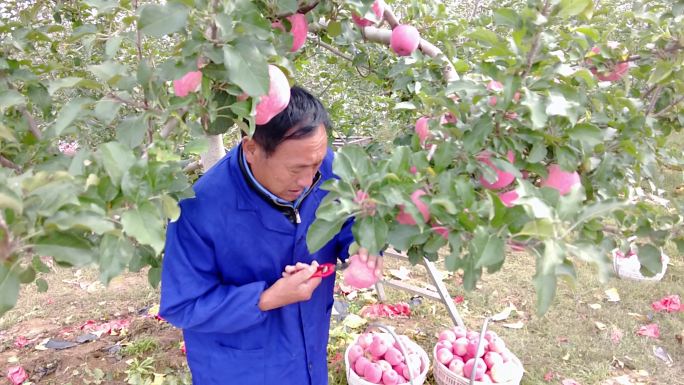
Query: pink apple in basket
[[394, 356], [492, 358], [477, 365], [384, 365], [360, 365], [459, 331], [372, 373], [506, 355], [472, 349], [355, 352], [486, 379], [378, 347], [444, 344], [444, 356], [399, 368], [472, 335], [461, 346], [365, 340], [390, 377], [456, 366], [497, 345], [490, 335], [447, 335]]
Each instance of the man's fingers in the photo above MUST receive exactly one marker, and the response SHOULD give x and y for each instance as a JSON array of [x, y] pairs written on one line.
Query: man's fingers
[[290, 269], [363, 254]]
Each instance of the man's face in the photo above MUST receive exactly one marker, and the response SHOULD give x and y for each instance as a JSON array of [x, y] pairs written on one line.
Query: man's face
[[291, 167]]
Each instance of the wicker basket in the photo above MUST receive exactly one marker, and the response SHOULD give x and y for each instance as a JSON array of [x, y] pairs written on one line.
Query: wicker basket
[[354, 379], [629, 267], [444, 376]]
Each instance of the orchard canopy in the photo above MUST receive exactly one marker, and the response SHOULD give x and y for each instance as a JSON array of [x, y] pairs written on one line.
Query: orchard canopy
[[544, 125]]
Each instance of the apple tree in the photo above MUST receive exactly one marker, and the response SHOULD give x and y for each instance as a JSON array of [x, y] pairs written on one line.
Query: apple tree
[[538, 124]]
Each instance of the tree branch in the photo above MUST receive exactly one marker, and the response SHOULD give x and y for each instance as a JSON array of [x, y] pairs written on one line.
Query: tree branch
[[669, 106], [32, 126], [4, 162], [215, 152], [193, 166], [654, 99], [535, 43]]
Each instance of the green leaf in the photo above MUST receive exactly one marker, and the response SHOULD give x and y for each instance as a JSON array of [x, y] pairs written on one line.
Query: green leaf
[[535, 103], [145, 226], [506, 17], [39, 266], [489, 248], [650, 259], [72, 110], [662, 72], [6, 133], [115, 253], [484, 36], [321, 232], [586, 133], [247, 68], [106, 110], [10, 98], [371, 233], [537, 153], [27, 275], [42, 286], [545, 286], [334, 29], [66, 248], [58, 84], [287, 6], [540, 229], [131, 131], [9, 289], [569, 8], [82, 220], [10, 200], [112, 45], [170, 207], [401, 237], [108, 70], [351, 162], [154, 276], [116, 160], [159, 20]]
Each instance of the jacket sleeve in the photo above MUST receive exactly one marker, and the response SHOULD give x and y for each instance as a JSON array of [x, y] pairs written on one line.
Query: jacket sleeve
[[192, 294]]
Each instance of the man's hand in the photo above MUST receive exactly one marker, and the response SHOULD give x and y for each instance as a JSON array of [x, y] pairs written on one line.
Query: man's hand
[[373, 261], [293, 287]]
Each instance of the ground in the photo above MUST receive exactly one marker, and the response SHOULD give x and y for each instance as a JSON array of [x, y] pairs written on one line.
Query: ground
[[572, 341]]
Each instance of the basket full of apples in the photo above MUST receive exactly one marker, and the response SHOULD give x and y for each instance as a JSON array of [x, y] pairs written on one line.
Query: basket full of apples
[[460, 352], [385, 358]]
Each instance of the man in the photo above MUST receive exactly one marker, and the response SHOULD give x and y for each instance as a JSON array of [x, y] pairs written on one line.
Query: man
[[237, 274]]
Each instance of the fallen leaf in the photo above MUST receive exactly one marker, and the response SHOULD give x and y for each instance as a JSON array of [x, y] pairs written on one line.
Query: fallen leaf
[[595, 306], [651, 330], [549, 376], [680, 337], [517, 325], [353, 321], [600, 325], [505, 313], [400, 309], [661, 353], [616, 335], [21, 341], [458, 299], [670, 304], [613, 295], [569, 381], [562, 339], [402, 273], [566, 357], [13, 360]]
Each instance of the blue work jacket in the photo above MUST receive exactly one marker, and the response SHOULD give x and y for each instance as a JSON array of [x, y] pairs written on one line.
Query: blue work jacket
[[227, 247]]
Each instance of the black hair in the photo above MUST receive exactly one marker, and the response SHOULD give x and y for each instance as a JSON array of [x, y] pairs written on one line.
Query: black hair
[[300, 119]]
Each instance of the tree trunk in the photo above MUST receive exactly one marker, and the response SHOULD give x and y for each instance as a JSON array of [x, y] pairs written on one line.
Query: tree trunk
[[215, 152]]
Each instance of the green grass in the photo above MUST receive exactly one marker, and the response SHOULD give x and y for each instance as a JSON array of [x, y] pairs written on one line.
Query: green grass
[[141, 347]]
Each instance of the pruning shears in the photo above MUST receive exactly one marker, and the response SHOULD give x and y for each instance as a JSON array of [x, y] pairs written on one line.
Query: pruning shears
[[324, 270]]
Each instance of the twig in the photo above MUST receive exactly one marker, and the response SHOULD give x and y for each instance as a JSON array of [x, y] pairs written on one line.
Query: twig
[[193, 166], [6, 243], [138, 36], [33, 127], [669, 106], [535, 43], [4, 162], [654, 99]]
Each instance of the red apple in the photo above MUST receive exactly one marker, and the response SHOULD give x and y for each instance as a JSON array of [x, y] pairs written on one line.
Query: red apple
[[390, 377], [461, 346], [508, 198], [277, 98], [560, 180], [355, 352], [459, 331], [456, 367], [378, 348], [477, 365], [491, 358], [365, 339], [473, 351], [394, 356], [503, 178], [493, 85], [372, 373], [378, 9], [422, 129], [447, 335], [358, 274], [360, 365], [444, 356], [404, 40]]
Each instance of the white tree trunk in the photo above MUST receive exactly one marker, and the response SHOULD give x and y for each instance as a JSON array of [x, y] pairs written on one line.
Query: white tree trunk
[[215, 152]]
